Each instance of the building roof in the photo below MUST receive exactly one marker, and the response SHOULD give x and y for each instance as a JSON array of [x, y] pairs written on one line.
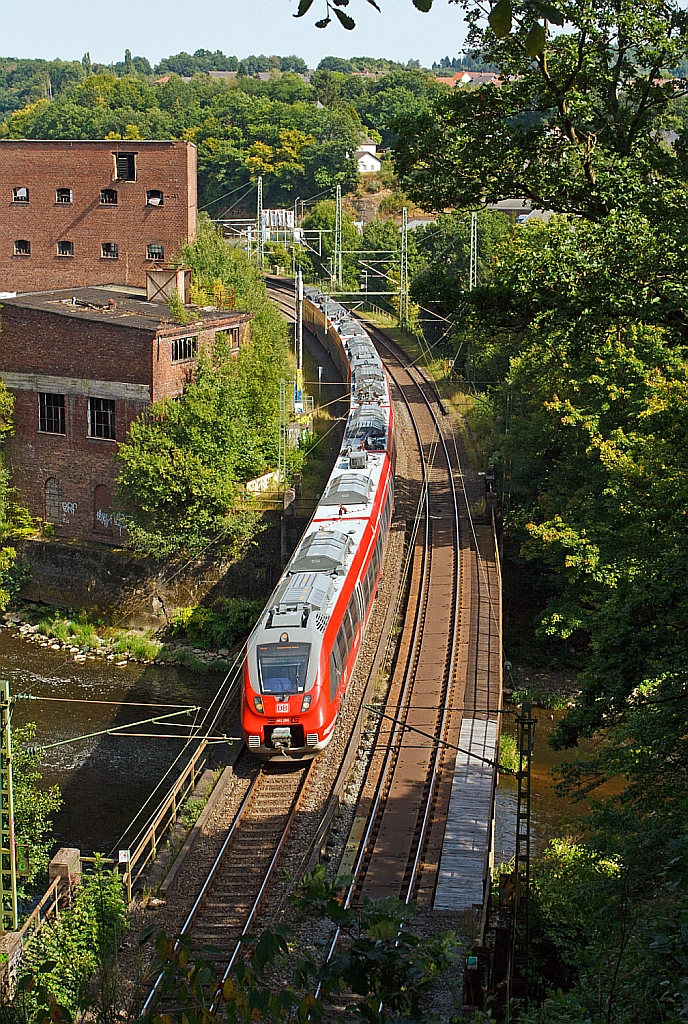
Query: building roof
[[121, 308]]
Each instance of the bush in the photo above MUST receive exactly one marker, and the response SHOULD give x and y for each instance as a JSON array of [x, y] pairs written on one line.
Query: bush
[[222, 625], [79, 631]]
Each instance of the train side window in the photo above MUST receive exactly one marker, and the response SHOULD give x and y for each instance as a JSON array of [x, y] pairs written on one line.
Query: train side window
[[343, 646], [354, 612], [335, 674], [348, 628]]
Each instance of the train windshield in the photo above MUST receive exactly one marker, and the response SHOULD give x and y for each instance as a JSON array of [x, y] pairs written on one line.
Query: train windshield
[[283, 667]]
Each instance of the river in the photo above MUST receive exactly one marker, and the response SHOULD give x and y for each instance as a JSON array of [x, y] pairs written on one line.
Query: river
[[106, 779]]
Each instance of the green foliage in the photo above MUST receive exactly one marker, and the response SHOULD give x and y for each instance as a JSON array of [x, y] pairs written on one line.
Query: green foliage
[[75, 953], [508, 753], [178, 311], [381, 967], [78, 631], [591, 101], [33, 805], [223, 624], [184, 462], [140, 647]]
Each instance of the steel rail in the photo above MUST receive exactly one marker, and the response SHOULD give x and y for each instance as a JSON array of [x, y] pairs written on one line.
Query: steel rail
[[455, 626], [199, 899]]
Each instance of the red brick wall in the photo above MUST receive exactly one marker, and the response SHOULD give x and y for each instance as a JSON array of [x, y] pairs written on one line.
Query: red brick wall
[[170, 377], [86, 168], [39, 341], [81, 463]]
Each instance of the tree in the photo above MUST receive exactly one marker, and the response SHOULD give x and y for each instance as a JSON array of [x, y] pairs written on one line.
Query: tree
[[590, 101]]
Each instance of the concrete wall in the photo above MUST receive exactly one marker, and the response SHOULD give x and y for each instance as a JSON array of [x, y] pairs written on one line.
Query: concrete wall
[[135, 591]]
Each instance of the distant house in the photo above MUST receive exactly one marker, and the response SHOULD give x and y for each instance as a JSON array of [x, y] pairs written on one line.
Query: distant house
[[471, 78], [228, 76], [366, 157]]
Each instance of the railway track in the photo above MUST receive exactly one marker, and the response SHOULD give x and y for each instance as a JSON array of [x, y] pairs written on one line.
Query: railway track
[[401, 785], [237, 882]]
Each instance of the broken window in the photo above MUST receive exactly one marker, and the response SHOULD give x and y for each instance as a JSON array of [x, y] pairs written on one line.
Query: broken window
[[64, 195], [51, 413], [20, 195], [155, 252], [108, 197], [184, 348], [125, 166], [53, 500], [22, 247], [109, 251], [154, 197], [65, 248], [101, 418]]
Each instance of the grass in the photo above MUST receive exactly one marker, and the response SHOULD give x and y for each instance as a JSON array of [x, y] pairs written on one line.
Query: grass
[[134, 646], [544, 699], [78, 631], [508, 753]]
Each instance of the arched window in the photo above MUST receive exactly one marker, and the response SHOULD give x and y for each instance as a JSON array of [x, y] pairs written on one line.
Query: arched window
[[154, 197], [53, 500], [20, 195], [108, 197], [22, 247], [102, 509]]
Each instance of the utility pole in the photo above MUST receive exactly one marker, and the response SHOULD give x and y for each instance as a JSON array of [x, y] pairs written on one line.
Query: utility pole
[[473, 270], [525, 724], [8, 855], [404, 274], [298, 389], [338, 239], [260, 229]]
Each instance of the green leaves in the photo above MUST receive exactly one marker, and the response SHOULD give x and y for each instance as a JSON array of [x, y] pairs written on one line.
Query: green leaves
[[500, 19], [304, 8], [535, 40], [344, 19], [422, 5]]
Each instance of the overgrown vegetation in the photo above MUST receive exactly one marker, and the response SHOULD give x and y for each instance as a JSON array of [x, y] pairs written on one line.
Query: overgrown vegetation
[[220, 625], [71, 965], [34, 806], [184, 463]]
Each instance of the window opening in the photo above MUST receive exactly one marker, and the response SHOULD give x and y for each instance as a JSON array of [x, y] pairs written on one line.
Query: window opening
[[22, 247], [65, 248], [101, 418], [125, 164], [184, 348], [53, 500], [51, 413], [283, 668], [64, 195], [108, 197], [154, 197], [20, 195], [109, 251], [155, 252]]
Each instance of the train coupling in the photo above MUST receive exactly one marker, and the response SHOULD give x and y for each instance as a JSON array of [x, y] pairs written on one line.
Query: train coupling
[[281, 739]]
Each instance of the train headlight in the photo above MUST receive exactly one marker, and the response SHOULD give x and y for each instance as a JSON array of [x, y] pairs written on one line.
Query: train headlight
[[306, 702], [258, 705]]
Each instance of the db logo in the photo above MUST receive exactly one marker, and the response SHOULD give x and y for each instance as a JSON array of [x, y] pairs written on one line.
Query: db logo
[[282, 709]]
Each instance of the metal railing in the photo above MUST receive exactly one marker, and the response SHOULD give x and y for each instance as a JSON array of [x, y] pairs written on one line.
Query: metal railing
[[147, 849]]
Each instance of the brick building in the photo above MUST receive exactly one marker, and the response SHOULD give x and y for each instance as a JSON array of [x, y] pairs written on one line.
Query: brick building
[[82, 364], [75, 214]]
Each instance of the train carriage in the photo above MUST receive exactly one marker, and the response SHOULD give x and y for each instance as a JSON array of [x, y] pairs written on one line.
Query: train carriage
[[302, 653]]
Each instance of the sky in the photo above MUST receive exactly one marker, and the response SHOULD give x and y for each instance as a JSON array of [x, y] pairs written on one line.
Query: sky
[[157, 28]]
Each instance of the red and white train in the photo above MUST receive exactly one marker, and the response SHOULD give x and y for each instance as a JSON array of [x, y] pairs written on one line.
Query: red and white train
[[302, 653]]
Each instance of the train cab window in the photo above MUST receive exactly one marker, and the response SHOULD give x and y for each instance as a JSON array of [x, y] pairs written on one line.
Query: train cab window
[[283, 668]]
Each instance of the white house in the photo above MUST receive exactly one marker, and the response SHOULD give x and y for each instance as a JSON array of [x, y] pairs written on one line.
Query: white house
[[366, 157]]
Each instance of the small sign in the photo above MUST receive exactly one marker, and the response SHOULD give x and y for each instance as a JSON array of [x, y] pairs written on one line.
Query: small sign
[[124, 856], [282, 709]]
